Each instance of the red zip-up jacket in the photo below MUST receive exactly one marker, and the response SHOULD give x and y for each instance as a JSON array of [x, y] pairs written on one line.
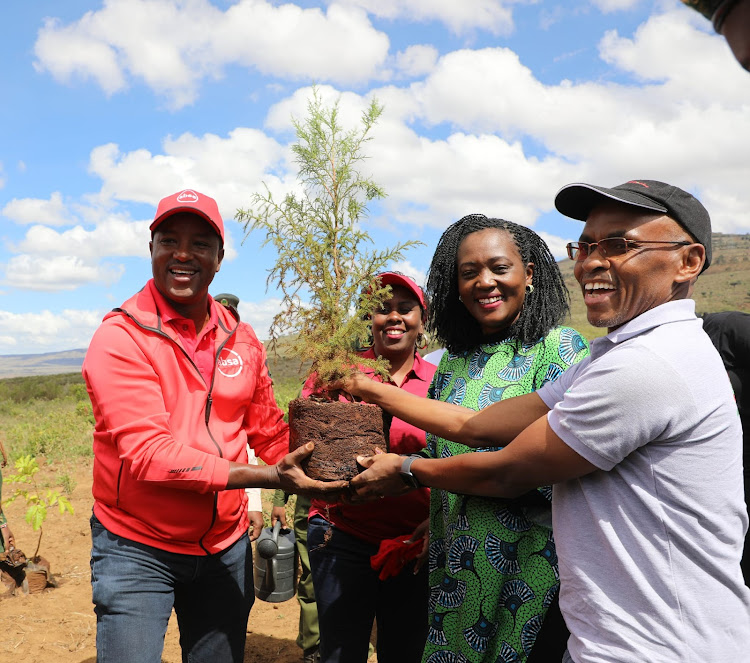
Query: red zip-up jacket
[[164, 438]]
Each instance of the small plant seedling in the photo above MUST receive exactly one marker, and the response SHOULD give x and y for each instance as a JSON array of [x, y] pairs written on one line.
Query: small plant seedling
[[37, 502]]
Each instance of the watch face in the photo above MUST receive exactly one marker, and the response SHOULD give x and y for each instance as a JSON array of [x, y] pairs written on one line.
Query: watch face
[[409, 480]]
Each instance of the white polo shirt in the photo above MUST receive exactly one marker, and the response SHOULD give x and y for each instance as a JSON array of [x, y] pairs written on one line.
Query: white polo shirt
[[649, 544]]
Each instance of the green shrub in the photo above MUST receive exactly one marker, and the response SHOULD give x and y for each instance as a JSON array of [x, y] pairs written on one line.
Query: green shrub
[[55, 429], [67, 482], [41, 387]]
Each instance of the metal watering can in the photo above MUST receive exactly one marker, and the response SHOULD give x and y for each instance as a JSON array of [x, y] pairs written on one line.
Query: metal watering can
[[275, 565]]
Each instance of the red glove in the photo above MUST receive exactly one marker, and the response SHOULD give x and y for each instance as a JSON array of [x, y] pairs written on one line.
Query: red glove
[[393, 555]]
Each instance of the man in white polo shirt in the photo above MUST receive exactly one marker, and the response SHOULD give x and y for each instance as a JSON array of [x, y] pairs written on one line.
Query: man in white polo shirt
[[641, 440]]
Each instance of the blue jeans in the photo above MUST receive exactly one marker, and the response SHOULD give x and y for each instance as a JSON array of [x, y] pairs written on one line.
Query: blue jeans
[[135, 587], [350, 596]]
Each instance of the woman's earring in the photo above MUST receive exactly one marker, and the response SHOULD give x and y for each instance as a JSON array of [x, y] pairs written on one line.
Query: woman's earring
[[460, 299], [422, 341], [529, 289]]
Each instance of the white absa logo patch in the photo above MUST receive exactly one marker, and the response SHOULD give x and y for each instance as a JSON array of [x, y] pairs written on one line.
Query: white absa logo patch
[[229, 363], [187, 196]]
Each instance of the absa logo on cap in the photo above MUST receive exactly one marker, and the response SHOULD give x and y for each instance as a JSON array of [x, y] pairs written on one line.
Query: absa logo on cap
[[229, 363], [187, 196]]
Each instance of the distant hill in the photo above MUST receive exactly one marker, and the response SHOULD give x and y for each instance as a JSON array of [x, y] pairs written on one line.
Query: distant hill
[[49, 363], [724, 287]]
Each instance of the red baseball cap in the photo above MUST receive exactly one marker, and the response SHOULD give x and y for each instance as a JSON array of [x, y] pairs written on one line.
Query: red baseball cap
[[394, 278], [192, 201]]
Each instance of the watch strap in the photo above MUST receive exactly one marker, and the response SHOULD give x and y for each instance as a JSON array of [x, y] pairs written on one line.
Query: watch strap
[[406, 473]]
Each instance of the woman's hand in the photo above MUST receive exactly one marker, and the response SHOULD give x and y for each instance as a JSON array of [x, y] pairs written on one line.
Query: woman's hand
[[380, 478], [353, 388], [422, 531]]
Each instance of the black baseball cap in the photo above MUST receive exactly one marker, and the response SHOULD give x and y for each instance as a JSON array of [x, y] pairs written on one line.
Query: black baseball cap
[[578, 199]]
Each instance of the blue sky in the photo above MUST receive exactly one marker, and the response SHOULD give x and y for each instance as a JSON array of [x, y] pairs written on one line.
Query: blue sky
[[490, 106]]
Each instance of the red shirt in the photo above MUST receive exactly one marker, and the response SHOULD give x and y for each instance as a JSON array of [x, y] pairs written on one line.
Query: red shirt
[[391, 516]]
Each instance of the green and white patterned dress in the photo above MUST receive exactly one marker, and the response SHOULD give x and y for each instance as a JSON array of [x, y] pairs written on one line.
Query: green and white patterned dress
[[493, 566]]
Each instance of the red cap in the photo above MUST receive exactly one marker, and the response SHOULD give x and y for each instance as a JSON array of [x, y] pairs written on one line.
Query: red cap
[[192, 201], [394, 278]]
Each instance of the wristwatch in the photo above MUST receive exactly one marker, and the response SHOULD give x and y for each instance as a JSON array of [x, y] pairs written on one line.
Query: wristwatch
[[405, 471]]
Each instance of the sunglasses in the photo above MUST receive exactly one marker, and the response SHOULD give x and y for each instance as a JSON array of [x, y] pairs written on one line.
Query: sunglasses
[[611, 247]]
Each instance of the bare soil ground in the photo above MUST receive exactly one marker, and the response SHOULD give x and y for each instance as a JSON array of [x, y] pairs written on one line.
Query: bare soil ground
[[59, 624]]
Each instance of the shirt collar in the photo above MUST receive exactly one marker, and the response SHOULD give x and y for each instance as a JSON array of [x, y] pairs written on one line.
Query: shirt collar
[[420, 369], [679, 310]]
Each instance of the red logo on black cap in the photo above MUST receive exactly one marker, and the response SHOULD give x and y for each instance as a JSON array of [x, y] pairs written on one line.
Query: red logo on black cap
[[187, 196], [637, 182]]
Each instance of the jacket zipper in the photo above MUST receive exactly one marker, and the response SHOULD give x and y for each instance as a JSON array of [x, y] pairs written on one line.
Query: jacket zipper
[[209, 404]]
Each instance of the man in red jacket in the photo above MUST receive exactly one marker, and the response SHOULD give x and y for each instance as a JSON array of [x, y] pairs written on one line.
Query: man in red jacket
[[179, 388]]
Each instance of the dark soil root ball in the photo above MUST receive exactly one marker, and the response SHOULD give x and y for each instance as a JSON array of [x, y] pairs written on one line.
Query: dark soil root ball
[[341, 431]]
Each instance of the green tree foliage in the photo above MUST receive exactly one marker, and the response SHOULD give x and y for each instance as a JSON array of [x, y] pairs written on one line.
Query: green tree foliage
[[324, 267], [37, 502]]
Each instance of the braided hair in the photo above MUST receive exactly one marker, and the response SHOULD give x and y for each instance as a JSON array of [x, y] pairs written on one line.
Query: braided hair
[[448, 318]]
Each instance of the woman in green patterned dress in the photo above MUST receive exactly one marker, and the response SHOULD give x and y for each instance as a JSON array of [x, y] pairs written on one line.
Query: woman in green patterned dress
[[498, 298]]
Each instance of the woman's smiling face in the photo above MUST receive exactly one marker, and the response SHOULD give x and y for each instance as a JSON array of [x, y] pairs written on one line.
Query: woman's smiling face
[[492, 278], [397, 324]]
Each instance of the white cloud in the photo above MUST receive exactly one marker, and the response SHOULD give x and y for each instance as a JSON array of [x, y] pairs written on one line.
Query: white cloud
[[227, 169], [556, 244], [260, 315], [436, 182], [173, 45], [608, 6], [52, 212], [416, 60], [29, 272], [679, 61], [494, 16], [515, 140], [406, 267], [44, 331], [111, 237], [280, 114]]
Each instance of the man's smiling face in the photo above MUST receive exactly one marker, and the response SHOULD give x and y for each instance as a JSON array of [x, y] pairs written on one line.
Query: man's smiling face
[[619, 288], [185, 256]]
